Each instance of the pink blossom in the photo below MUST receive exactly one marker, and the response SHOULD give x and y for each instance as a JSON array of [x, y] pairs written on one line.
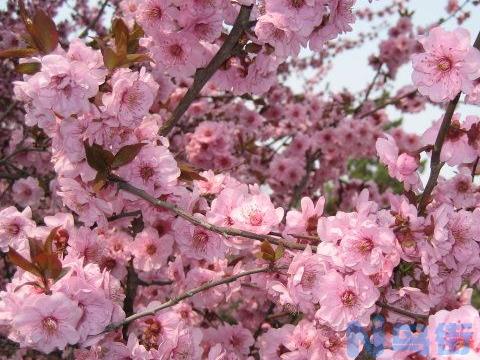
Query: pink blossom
[[196, 242], [48, 322], [304, 282], [154, 169], [306, 220], [15, 227], [150, 252], [256, 213], [62, 85], [27, 192], [400, 166], [456, 149], [346, 299], [131, 97], [448, 65]]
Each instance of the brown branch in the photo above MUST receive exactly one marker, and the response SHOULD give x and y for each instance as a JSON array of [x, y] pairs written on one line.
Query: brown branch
[[90, 26], [204, 74], [297, 192], [474, 167], [187, 294], [124, 215], [385, 104], [435, 163], [225, 231], [369, 89], [406, 313]]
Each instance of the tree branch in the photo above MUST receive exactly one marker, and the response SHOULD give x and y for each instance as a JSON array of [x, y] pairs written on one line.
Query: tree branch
[[406, 313], [90, 26], [435, 164], [203, 75], [187, 294], [123, 185]]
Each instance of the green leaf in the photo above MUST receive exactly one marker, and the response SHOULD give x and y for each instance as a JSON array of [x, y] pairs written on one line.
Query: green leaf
[[110, 58], [133, 58], [98, 158], [126, 155], [18, 260], [279, 251], [17, 53], [28, 68]]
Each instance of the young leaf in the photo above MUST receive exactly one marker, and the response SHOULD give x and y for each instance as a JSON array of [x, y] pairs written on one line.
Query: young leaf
[[98, 158], [17, 53], [110, 58], [49, 265], [35, 247], [126, 155], [45, 33], [133, 58], [188, 173], [120, 33], [18, 260], [28, 68], [279, 251], [48, 246]]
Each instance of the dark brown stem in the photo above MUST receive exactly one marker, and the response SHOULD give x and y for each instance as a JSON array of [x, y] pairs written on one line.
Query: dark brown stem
[[402, 312], [204, 74], [90, 26], [435, 163], [309, 167], [225, 231], [186, 295], [385, 104]]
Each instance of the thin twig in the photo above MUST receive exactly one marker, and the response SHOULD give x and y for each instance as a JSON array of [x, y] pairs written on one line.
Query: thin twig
[[95, 21], [409, 314], [435, 163], [225, 231], [385, 104], [8, 110], [369, 89], [204, 74], [297, 192], [124, 215], [187, 294], [474, 167], [443, 21]]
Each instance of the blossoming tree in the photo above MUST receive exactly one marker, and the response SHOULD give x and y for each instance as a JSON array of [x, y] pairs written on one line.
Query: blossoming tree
[[166, 195]]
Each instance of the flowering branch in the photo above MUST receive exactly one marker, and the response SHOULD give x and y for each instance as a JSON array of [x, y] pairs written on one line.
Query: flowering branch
[[203, 75], [187, 294], [199, 222], [435, 164], [385, 104]]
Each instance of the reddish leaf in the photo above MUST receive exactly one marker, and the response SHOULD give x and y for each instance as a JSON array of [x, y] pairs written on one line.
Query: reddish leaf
[[45, 33], [189, 173], [17, 53], [120, 33], [28, 283], [100, 181], [15, 258], [62, 273], [126, 155], [49, 265], [267, 252], [35, 247], [133, 38], [98, 158], [28, 68], [133, 58], [48, 246]]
